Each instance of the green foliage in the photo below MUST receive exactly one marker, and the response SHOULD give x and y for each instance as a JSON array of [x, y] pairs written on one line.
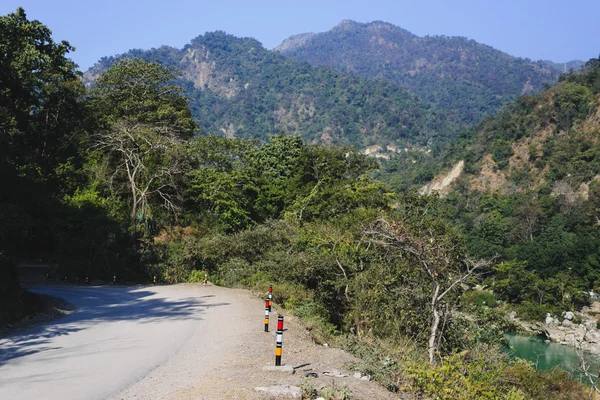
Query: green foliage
[[336, 392], [253, 93], [478, 299], [482, 372], [467, 79], [139, 91], [308, 391]]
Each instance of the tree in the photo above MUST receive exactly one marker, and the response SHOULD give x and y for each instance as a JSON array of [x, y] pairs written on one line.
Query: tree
[[437, 253], [41, 131], [145, 127], [39, 91]]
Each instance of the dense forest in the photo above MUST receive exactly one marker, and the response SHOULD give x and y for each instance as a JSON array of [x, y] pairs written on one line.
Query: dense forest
[[466, 79], [115, 179], [527, 194], [239, 89]]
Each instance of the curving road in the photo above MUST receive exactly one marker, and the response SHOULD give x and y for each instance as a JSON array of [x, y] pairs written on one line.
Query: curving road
[[115, 337]]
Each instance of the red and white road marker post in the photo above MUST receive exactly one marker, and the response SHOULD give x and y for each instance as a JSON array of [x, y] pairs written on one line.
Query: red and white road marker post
[[267, 315], [270, 295], [278, 348]]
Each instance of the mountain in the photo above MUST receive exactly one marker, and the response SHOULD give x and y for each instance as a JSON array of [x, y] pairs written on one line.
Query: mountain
[[525, 187], [237, 88], [566, 66], [455, 74]]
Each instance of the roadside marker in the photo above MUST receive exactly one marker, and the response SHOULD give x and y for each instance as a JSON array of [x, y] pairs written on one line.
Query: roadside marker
[[65, 279], [270, 296], [205, 276], [278, 349], [267, 315], [87, 280], [114, 279], [154, 281]]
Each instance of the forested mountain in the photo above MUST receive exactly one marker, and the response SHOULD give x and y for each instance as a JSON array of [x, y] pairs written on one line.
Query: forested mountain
[[239, 89], [468, 79], [112, 180], [530, 193], [564, 67]]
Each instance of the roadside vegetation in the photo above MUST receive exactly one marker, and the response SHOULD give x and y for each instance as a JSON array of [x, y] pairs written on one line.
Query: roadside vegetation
[[115, 180]]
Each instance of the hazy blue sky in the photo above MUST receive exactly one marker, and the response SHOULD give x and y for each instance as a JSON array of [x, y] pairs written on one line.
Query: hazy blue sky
[[558, 30]]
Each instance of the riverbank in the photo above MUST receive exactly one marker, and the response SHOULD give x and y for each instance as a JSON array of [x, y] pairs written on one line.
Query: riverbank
[[577, 329]]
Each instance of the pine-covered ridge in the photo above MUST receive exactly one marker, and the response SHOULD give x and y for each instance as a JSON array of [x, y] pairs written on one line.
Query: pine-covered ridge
[[463, 77], [239, 89]]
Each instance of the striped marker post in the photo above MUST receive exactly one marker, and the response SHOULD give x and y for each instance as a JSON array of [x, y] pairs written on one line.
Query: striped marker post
[[154, 280], [267, 315], [279, 341], [87, 280], [65, 279], [270, 296], [114, 279]]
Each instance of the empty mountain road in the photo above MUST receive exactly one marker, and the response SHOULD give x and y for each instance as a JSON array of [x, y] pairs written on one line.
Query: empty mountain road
[[179, 342], [114, 338]]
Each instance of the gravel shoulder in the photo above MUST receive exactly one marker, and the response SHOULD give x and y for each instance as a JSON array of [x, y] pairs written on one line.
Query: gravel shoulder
[[225, 358]]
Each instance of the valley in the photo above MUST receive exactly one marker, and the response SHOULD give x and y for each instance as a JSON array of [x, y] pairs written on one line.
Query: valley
[[409, 200]]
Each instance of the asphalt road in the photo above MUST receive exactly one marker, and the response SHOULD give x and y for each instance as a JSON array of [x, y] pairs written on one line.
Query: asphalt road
[[115, 337]]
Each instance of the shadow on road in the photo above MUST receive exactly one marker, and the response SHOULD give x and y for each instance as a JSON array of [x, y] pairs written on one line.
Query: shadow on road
[[97, 305]]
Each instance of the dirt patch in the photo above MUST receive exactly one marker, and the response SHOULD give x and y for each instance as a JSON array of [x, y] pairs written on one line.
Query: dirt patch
[[442, 184], [490, 177]]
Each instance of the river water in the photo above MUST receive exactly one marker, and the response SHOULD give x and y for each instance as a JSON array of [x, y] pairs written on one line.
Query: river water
[[546, 355]]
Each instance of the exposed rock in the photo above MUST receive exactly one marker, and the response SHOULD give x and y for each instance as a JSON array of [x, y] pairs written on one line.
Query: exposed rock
[[569, 315], [490, 177], [335, 374], [585, 335], [442, 184], [281, 392], [287, 369]]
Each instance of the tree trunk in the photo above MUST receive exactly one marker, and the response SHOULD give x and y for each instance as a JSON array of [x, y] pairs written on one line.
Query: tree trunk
[[134, 223], [435, 322]]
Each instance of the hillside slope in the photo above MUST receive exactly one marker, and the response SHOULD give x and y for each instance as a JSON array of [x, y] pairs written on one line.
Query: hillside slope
[[239, 89], [530, 194], [469, 79]]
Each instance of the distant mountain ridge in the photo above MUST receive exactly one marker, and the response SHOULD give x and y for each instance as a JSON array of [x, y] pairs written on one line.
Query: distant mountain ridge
[[237, 88], [370, 84], [469, 79]]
